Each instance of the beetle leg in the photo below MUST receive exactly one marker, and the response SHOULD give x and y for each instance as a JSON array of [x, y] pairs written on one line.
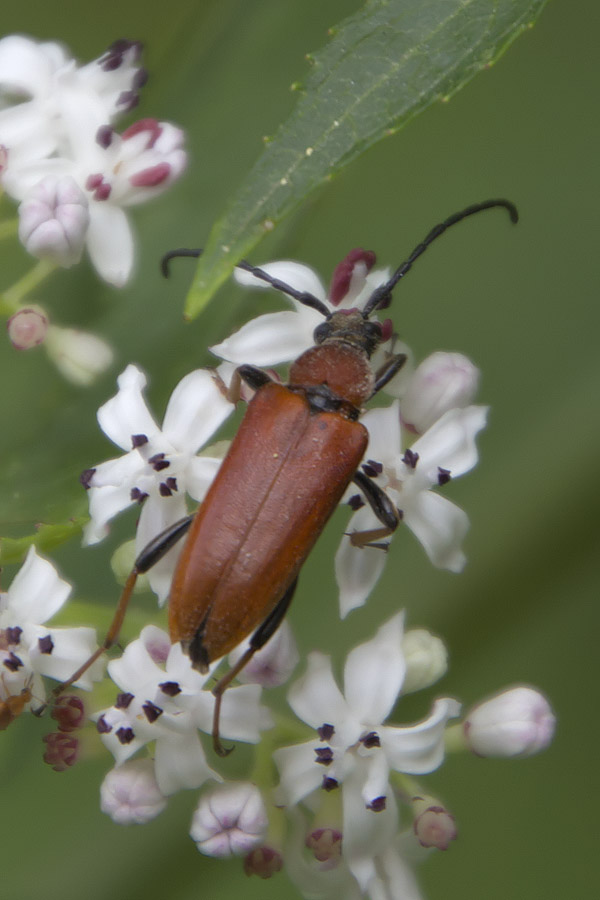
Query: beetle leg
[[255, 378], [380, 503], [260, 637], [151, 554], [387, 371]]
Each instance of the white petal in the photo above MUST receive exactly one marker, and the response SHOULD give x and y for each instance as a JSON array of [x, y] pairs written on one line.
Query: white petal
[[195, 411], [450, 442], [357, 569], [158, 513], [71, 648], [383, 425], [110, 243], [440, 526], [316, 698], [374, 673], [181, 764], [27, 66], [37, 591], [418, 749], [200, 474], [366, 833], [240, 718], [105, 502], [268, 340], [126, 413], [135, 669], [300, 774], [400, 880], [294, 274]]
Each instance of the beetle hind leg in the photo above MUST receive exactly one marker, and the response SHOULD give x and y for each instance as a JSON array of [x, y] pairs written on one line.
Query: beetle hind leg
[[260, 637]]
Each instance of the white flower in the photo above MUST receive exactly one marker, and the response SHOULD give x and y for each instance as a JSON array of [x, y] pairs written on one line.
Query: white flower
[[79, 356], [354, 748], [283, 336], [166, 703], [130, 795], [230, 820], [443, 381], [447, 450], [53, 220], [30, 649], [515, 722], [42, 88], [159, 466]]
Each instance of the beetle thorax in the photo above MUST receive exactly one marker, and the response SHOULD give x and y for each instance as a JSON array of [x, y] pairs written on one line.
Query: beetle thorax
[[339, 366]]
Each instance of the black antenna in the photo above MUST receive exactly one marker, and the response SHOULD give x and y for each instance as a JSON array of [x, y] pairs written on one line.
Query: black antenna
[[381, 296], [302, 296]]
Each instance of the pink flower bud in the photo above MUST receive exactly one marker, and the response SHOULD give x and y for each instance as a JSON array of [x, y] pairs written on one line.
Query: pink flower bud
[[68, 712], [130, 795], [27, 328], [516, 722], [326, 845], [53, 220], [230, 820], [434, 826], [274, 663], [443, 381], [263, 861], [62, 750]]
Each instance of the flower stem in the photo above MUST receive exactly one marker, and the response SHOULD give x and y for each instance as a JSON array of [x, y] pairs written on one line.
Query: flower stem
[[11, 299]]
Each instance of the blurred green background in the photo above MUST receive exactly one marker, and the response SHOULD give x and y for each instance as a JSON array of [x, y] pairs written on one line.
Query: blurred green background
[[521, 302]]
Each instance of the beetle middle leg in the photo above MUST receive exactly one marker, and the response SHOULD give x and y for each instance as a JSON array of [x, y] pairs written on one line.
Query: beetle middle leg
[[260, 637], [387, 371], [151, 554], [389, 516]]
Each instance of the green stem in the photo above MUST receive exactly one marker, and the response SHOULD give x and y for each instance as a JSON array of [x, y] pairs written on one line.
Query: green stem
[[11, 299]]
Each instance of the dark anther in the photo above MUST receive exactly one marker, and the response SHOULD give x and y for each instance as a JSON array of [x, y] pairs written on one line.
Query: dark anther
[[137, 495], [152, 711], [125, 735], [102, 726], [104, 136], [324, 756], [356, 502], [86, 477], [170, 688], [138, 440], [410, 459], [326, 732], [377, 805], [164, 490], [158, 462], [329, 784], [372, 468], [12, 662], [371, 740], [172, 483], [46, 644], [444, 475], [123, 700], [12, 635]]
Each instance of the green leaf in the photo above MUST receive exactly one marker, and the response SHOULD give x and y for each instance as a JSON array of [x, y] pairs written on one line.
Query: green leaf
[[45, 539], [383, 65]]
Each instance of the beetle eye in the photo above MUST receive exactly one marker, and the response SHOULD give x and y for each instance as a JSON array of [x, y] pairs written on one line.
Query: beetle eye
[[322, 332]]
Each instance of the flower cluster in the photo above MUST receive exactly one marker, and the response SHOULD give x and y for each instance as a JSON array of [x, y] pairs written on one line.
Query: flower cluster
[[337, 805], [72, 173]]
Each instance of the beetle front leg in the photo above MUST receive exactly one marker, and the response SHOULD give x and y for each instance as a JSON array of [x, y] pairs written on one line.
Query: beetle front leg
[[387, 371], [260, 637], [387, 513], [150, 555], [254, 377]]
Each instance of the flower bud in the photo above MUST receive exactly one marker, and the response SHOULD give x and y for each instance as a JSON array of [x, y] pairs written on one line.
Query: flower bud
[[122, 562], [53, 220], [78, 355], [516, 722], [68, 712], [443, 381], [274, 663], [433, 824], [326, 845], [426, 659], [61, 751], [263, 861], [27, 328], [130, 795], [230, 820]]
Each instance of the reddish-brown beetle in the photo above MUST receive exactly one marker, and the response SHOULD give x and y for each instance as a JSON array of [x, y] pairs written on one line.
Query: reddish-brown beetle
[[297, 450]]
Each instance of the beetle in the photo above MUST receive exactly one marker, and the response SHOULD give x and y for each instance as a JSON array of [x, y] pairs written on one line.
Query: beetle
[[297, 450]]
